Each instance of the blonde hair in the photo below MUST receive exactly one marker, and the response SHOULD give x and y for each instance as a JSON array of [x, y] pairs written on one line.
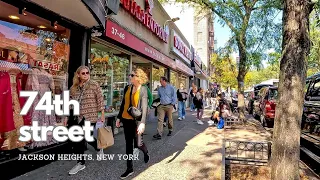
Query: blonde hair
[[141, 75], [76, 79]]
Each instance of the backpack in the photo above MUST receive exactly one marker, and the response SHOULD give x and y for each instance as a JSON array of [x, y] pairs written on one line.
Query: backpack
[[220, 124]]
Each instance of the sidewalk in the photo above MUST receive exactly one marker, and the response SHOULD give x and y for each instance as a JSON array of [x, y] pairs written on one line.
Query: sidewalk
[[193, 152]]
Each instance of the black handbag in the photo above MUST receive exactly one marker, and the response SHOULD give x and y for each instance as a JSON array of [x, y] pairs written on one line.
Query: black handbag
[[75, 120], [133, 111]]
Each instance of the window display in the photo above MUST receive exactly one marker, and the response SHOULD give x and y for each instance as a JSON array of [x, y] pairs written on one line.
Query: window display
[[111, 72], [157, 72], [174, 80], [34, 57]]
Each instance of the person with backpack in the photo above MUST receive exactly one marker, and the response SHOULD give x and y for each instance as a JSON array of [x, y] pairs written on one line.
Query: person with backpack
[[198, 102], [182, 96], [224, 106]]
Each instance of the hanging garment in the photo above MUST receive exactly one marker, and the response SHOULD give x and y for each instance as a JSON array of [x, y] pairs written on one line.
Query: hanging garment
[[7, 128], [20, 86], [42, 82], [12, 142]]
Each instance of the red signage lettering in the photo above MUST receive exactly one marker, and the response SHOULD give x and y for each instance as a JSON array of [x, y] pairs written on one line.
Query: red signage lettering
[[178, 44], [46, 65], [145, 17]]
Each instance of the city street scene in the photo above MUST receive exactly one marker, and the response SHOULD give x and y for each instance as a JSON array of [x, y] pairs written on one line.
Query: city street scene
[[160, 89]]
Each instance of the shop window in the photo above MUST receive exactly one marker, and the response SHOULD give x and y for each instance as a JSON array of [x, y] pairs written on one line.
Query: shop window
[[157, 72], [34, 56], [183, 80], [110, 68], [174, 80]]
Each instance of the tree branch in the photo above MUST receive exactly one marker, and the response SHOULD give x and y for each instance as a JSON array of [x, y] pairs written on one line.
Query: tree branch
[[211, 6]]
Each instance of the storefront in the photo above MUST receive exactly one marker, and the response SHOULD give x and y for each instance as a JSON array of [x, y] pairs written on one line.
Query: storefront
[[115, 54], [41, 46], [183, 57]]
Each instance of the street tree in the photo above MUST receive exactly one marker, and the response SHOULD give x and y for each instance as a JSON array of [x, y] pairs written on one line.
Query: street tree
[[293, 67], [314, 57], [225, 70], [253, 30]]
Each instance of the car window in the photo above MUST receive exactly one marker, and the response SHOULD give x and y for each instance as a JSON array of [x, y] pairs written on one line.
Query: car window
[[273, 93], [314, 91]]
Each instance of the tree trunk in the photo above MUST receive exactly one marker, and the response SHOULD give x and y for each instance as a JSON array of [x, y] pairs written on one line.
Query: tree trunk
[[241, 75], [295, 49]]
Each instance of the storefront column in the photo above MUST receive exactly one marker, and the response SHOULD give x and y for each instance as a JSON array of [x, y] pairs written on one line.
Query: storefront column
[[79, 50]]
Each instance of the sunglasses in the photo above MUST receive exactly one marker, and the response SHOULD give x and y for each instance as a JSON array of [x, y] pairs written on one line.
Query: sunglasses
[[84, 73], [133, 75]]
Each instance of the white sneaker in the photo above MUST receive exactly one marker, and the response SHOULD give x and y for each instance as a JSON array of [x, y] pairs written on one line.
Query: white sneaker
[[200, 122], [100, 155], [77, 168], [136, 152], [210, 122], [179, 118], [183, 117]]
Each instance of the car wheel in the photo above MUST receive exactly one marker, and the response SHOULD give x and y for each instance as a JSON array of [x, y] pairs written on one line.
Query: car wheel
[[263, 120]]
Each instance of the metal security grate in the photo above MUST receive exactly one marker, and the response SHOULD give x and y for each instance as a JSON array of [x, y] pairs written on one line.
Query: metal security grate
[[246, 151], [232, 121]]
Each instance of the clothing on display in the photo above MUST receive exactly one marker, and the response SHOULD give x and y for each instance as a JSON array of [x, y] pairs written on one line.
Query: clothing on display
[[11, 121], [41, 81]]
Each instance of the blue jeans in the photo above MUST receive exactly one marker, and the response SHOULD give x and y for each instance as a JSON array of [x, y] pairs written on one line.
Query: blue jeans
[[182, 108], [192, 107]]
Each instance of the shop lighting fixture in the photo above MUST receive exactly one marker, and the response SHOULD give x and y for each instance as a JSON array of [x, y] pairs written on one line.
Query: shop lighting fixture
[[48, 39], [13, 17], [22, 11], [42, 27], [54, 24]]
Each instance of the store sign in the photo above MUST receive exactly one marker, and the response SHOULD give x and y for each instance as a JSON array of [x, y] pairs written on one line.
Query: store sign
[[180, 48], [46, 65], [184, 68], [117, 33], [145, 17], [197, 59]]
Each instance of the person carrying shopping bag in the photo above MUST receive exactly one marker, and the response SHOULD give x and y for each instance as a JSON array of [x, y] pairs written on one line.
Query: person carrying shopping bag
[[133, 114], [82, 90]]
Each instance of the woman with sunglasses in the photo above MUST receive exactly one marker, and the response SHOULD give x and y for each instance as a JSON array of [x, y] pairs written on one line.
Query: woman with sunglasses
[[89, 95], [135, 95]]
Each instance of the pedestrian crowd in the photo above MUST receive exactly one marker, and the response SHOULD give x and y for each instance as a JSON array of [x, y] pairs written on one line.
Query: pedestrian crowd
[[135, 110]]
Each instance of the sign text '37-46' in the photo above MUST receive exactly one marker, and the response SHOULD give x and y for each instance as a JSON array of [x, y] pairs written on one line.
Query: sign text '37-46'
[[49, 104]]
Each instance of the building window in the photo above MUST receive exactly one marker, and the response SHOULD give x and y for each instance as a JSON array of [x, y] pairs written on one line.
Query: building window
[[157, 72], [199, 36], [110, 68], [174, 80], [34, 56]]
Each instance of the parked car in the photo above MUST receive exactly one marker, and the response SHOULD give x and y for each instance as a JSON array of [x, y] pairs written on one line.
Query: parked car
[[265, 105], [247, 96], [311, 112], [254, 96]]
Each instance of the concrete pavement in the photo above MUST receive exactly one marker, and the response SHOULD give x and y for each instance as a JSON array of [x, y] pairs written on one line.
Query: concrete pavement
[[192, 152]]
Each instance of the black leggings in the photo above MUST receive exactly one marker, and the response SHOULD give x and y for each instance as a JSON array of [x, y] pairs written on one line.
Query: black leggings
[[132, 139], [80, 147]]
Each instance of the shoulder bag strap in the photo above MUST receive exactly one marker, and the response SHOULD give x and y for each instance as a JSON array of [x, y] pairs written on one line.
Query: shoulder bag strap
[[131, 96]]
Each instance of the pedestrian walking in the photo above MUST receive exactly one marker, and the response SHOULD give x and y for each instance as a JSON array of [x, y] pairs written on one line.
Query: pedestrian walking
[[182, 96], [168, 98], [191, 95], [89, 95], [133, 114], [199, 101]]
